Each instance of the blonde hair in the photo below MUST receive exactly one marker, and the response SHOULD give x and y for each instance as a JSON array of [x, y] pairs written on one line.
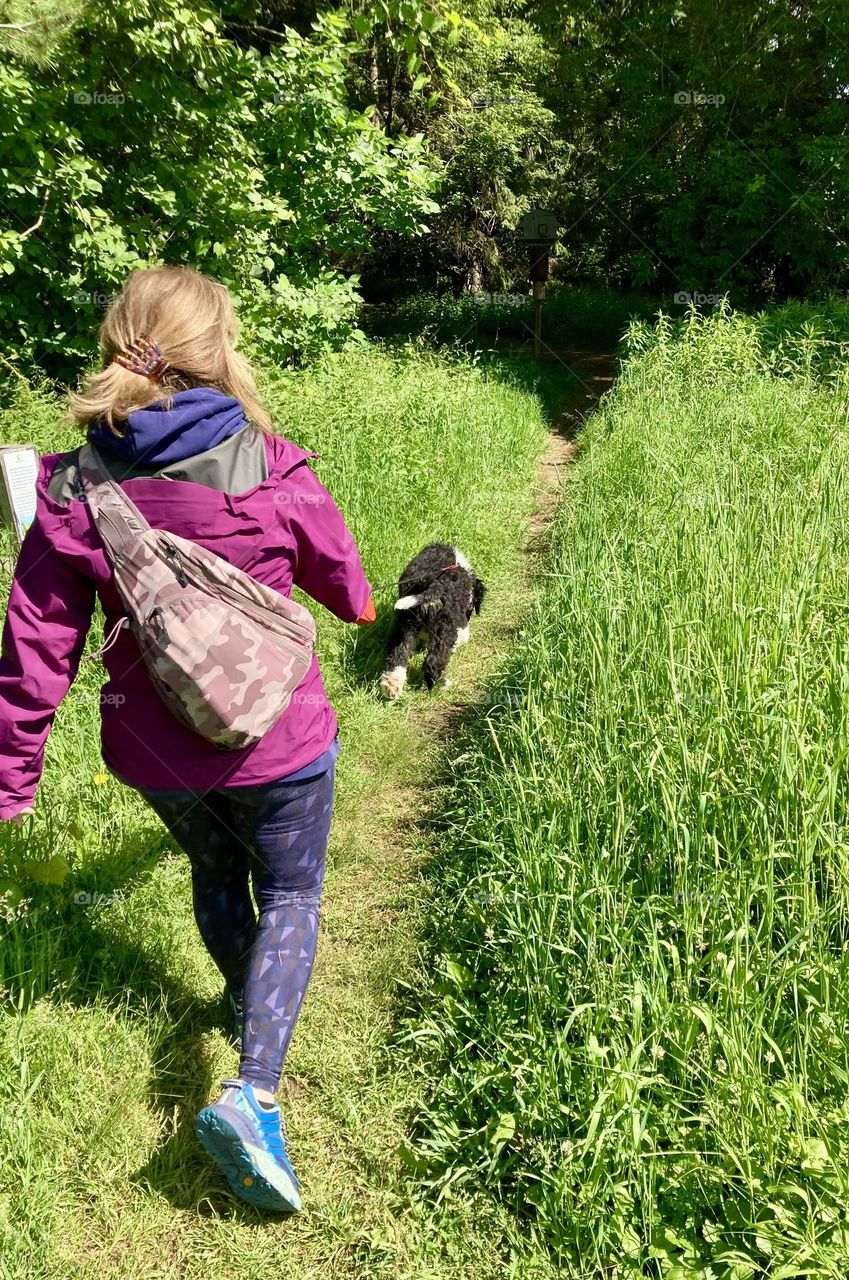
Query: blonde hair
[[192, 319]]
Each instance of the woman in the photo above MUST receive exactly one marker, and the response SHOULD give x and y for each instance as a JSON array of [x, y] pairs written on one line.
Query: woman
[[176, 418]]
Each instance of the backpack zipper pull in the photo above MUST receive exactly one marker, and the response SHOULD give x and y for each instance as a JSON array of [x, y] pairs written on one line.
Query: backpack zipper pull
[[110, 638], [173, 554]]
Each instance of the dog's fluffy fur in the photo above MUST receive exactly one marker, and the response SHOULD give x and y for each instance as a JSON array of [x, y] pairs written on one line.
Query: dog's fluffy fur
[[437, 594]]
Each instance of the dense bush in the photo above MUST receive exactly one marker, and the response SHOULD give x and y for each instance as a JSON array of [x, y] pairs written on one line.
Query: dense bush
[[578, 317], [137, 132]]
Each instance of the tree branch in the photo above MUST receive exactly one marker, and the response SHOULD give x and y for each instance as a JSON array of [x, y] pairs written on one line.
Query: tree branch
[[255, 26], [39, 219]]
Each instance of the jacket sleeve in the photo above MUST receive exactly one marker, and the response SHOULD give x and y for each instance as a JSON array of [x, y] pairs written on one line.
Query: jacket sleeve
[[327, 564], [49, 614]]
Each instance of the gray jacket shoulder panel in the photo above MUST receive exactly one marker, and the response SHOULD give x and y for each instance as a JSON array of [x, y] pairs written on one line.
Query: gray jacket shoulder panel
[[234, 466]]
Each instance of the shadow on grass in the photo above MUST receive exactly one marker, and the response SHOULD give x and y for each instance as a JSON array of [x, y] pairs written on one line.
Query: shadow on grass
[[571, 314], [568, 382], [74, 947]]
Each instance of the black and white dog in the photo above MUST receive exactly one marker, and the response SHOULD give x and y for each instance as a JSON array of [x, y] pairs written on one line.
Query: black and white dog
[[437, 595]]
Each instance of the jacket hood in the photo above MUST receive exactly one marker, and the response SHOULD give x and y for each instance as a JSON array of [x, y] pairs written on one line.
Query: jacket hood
[[191, 422]]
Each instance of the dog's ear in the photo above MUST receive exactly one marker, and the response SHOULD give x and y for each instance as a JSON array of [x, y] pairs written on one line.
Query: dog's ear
[[478, 593]]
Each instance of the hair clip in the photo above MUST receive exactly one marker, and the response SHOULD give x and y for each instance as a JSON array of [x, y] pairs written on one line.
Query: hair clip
[[144, 357]]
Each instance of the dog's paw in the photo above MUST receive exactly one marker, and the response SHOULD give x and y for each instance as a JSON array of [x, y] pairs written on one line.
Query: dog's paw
[[462, 638], [392, 682]]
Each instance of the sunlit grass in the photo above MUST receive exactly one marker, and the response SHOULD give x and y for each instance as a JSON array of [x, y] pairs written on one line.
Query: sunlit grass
[[111, 1030], [636, 1025]]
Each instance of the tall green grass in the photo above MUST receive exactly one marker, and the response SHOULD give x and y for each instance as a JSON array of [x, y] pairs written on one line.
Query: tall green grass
[[636, 1026], [110, 1033]]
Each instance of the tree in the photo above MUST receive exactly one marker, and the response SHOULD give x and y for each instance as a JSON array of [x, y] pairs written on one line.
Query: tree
[[481, 109], [710, 142], [690, 147], [137, 132]]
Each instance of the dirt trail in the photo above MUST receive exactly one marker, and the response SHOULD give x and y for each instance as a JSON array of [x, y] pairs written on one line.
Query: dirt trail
[[593, 373]]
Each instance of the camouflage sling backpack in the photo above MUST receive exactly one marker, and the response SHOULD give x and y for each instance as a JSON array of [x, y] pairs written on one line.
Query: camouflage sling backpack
[[224, 652]]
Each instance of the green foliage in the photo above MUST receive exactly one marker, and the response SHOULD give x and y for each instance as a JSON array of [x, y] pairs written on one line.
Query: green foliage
[[576, 317], [806, 338], [708, 143], [294, 151], [502, 150], [635, 1025], [500, 145], [697, 149], [160, 139]]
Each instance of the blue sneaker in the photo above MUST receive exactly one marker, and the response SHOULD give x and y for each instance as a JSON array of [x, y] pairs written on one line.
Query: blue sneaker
[[248, 1143]]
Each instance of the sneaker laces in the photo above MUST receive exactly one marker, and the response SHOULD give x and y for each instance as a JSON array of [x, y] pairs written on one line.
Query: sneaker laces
[[274, 1131], [271, 1120]]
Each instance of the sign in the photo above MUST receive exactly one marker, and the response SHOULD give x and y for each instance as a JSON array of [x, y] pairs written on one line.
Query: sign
[[18, 472], [539, 225]]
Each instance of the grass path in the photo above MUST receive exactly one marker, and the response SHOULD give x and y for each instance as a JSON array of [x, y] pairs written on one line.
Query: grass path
[[350, 1121], [639, 1014]]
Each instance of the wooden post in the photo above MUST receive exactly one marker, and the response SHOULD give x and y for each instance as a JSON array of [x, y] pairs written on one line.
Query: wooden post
[[539, 231], [539, 297], [538, 270]]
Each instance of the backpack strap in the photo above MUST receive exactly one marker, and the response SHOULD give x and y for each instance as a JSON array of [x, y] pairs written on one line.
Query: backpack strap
[[118, 520]]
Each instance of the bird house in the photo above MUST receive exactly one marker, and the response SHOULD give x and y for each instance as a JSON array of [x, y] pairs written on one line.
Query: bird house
[[540, 226]]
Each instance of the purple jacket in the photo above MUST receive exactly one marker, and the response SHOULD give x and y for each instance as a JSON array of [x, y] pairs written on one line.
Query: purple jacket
[[285, 530]]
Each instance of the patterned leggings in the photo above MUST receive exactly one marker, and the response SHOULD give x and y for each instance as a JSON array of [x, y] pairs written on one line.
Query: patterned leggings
[[273, 837]]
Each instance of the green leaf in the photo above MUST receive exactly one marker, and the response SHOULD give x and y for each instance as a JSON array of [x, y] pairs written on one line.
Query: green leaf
[[11, 894], [457, 973], [506, 1127], [53, 871]]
